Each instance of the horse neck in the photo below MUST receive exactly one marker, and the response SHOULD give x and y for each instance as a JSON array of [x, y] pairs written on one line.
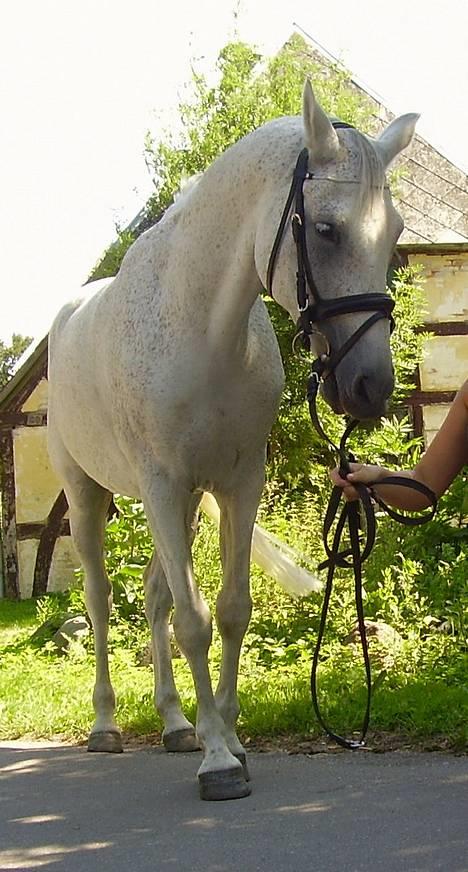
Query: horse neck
[[214, 241]]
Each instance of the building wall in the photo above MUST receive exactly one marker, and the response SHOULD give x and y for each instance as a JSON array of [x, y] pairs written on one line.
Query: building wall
[[37, 488], [445, 365], [446, 285]]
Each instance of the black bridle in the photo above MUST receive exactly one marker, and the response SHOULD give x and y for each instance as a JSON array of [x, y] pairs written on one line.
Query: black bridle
[[358, 515], [312, 307]]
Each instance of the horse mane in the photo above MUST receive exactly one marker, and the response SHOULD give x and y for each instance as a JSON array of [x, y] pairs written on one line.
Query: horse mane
[[181, 197]]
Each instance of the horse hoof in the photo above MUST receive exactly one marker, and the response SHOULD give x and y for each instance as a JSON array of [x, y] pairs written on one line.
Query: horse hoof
[[243, 759], [224, 784], [107, 740], [180, 741]]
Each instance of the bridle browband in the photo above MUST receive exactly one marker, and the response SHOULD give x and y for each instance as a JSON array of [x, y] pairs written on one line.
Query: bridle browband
[[358, 516], [312, 307]]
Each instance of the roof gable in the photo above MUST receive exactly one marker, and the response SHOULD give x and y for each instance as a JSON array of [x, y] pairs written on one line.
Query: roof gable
[[431, 193]]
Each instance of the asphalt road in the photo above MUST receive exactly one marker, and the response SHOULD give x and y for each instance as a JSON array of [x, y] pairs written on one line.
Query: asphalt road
[[64, 809]]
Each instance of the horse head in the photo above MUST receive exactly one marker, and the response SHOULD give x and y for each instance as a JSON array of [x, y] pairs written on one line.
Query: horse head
[[349, 228]]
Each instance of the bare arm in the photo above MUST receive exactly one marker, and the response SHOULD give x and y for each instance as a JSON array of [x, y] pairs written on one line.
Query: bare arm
[[439, 465]]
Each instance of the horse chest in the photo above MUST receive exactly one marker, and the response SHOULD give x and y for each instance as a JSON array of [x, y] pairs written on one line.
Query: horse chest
[[236, 418], [207, 434]]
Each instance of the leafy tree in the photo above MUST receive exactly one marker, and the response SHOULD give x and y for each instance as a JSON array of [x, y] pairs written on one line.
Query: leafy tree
[[9, 354]]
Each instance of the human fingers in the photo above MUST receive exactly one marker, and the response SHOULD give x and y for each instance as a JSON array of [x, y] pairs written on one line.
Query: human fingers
[[349, 492], [336, 477], [365, 473]]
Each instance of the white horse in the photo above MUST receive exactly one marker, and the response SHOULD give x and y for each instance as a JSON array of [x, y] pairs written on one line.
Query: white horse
[[165, 385]]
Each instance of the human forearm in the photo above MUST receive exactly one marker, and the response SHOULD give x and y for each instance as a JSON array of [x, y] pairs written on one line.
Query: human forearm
[[395, 495], [445, 457]]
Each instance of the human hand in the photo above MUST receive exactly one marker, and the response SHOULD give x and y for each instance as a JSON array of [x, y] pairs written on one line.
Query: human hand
[[364, 473]]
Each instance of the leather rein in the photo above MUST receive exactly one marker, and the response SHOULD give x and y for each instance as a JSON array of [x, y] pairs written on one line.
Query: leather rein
[[358, 515]]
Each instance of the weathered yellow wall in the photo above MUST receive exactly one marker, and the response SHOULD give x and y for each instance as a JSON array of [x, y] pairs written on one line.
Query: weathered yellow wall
[[37, 401], [37, 488], [445, 286], [62, 570], [64, 562], [445, 365], [433, 416]]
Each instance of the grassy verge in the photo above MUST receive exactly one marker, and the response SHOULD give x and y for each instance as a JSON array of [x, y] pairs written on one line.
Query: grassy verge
[[43, 695]]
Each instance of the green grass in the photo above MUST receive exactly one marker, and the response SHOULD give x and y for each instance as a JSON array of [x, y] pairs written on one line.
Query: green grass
[[46, 696]]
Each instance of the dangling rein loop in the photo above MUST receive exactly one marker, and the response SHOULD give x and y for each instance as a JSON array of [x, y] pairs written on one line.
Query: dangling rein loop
[[352, 514]]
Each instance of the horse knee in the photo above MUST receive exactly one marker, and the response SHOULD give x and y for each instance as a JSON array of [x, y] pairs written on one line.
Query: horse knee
[[98, 597], [233, 614], [193, 627]]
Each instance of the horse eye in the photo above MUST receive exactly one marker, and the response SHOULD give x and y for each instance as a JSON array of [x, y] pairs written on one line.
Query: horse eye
[[325, 230]]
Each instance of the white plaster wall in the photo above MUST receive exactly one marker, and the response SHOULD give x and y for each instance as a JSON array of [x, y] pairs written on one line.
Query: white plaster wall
[[64, 562], [433, 418], [62, 570], [37, 488], [27, 550], [445, 364]]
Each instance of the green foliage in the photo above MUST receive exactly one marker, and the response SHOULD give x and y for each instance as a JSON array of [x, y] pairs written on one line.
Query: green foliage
[[9, 354], [109, 264], [407, 339], [128, 548]]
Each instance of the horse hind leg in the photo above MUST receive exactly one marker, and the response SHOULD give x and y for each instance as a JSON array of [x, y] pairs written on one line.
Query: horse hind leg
[[89, 504], [178, 734]]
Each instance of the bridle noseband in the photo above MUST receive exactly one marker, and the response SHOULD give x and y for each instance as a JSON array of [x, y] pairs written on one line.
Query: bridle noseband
[[312, 307]]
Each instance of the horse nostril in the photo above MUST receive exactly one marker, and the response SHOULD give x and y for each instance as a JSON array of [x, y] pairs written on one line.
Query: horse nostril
[[369, 394], [362, 388]]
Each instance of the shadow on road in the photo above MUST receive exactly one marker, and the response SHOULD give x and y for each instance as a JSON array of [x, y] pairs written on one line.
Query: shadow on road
[[62, 808]]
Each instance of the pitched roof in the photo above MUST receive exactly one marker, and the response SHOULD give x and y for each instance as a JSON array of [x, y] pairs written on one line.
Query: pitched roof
[[431, 193]]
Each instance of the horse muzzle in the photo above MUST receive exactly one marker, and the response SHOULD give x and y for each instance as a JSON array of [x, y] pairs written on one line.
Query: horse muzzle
[[364, 396]]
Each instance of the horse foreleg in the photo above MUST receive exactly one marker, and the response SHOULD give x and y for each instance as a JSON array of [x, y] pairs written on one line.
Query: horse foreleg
[[234, 604], [179, 733], [220, 774]]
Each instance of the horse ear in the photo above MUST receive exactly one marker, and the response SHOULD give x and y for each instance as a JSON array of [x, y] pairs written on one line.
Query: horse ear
[[320, 136], [396, 137]]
